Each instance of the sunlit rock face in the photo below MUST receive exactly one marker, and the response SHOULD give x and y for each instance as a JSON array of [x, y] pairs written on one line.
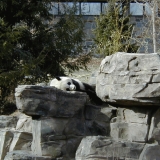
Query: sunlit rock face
[[130, 79]]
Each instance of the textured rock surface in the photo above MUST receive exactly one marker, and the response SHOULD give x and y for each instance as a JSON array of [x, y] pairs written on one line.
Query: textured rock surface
[[99, 148], [21, 141], [5, 141], [49, 101], [134, 135], [52, 124], [130, 79], [8, 121], [25, 155], [55, 136], [150, 152], [131, 124], [154, 134], [24, 123]]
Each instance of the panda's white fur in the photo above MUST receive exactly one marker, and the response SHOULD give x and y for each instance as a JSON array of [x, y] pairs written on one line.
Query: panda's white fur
[[63, 83], [69, 84]]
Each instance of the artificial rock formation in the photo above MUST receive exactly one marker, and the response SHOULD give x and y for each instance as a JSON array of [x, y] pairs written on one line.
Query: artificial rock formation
[[130, 79], [100, 147], [131, 83], [50, 124]]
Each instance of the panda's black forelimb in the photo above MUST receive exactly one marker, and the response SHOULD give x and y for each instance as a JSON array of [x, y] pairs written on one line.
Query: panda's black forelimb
[[93, 96], [89, 90]]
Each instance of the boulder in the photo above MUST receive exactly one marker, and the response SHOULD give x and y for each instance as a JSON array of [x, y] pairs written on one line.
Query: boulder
[[11, 140], [105, 113], [25, 155], [101, 147], [57, 136], [154, 133], [134, 115], [131, 124], [6, 137], [49, 101], [130, 79], [150, 152], [97, 119], [24, 123], [133, 132], [8, 121], [21, 141]]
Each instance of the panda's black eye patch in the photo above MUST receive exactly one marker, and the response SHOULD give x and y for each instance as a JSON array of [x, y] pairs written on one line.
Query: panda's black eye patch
[[69, 83]]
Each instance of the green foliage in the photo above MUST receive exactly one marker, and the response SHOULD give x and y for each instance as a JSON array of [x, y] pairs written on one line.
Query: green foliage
[[113, 31], [32, 44]]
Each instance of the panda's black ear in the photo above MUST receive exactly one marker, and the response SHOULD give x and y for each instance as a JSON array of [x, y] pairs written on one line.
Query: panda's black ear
[[58, 78]]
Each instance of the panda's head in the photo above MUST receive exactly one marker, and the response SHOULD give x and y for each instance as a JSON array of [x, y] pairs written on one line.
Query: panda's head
[[65, 83]]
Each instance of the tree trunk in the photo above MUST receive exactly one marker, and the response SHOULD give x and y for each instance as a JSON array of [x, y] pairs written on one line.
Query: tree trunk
[[153, 26]]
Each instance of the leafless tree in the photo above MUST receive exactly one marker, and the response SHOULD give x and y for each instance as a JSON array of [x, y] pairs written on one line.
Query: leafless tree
[[151, 26]]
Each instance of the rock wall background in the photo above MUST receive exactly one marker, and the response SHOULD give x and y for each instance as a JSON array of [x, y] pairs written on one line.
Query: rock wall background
[[51, 124]]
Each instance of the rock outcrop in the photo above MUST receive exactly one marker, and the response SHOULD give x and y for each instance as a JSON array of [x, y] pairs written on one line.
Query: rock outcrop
[[131, 83], [130, 79], [51, 124], [100, 147]]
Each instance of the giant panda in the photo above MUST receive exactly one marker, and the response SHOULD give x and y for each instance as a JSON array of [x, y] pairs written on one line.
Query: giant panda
[[69, 84]]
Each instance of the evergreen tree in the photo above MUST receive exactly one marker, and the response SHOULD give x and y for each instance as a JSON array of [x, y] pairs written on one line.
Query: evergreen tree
[[113, 31], [31, 46]]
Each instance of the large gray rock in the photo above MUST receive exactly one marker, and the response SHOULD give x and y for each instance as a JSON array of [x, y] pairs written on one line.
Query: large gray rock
[[21, 141], [130, 79], [98, 119], [6, 137], [131, 124], [150, 152], [133, 132], [99, 148], [24, 123], [57, 137], [133, 115], [25, 155], [8, 121], [13, 140], [49, 101], [154, 133]]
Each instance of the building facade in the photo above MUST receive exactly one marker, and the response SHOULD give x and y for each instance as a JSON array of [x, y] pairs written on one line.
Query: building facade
[[141, 17]]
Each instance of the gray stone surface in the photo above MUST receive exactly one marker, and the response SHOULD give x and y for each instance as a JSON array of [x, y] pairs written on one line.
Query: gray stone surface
[[133, 132], [133, 115], [8, 121], [131, 124], [154, 133], [21, 141], [99, 148], [104, 113], [130, 79], [54, 122], [61, 120], [57, 137], [5, 141], [98, 119], [24, 123], [150, 152], [49, 101], [25, 155]]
